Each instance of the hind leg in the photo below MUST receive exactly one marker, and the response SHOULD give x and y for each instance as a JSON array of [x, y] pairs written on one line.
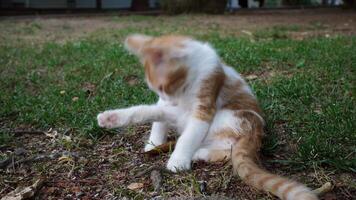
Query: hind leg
[[223, 133], [211, 155]]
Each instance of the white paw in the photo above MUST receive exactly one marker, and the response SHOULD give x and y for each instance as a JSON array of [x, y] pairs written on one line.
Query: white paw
[[149, 147], [178, 163], [201, 154], [111, 119]]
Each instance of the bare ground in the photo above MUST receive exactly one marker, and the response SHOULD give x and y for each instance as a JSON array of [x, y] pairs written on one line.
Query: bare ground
[[105, 169], [306, 23]]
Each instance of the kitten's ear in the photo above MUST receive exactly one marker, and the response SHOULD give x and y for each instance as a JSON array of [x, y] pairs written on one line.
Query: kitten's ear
[[134, 43], [155, 54]]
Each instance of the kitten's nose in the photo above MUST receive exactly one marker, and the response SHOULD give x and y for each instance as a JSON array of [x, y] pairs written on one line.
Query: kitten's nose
[[160, 88]]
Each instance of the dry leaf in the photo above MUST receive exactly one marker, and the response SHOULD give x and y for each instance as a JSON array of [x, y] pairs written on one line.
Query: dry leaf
[[251, 77], [75, 98], [163, 148], [247, 32], [135, 186]]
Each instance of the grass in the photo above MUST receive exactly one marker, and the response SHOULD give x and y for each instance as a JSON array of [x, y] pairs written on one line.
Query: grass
[[308, 87]]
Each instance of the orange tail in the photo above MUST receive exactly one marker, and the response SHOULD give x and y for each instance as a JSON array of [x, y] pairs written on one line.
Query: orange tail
[[244, 157]]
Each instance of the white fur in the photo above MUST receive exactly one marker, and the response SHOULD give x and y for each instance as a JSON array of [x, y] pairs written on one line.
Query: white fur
[[177, 111]]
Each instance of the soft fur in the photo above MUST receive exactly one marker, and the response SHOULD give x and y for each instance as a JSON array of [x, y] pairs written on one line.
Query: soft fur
[[209, 104]]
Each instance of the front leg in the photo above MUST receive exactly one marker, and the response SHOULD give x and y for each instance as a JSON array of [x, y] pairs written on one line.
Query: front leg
[[187, 144], [158, 135], [132, 115], [199, 122]]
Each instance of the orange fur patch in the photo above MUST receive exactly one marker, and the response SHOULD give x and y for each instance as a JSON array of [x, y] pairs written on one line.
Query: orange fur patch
[[175, 80], [235, 98], [277, 185], [288, 189], [219, 155], [168, 41], [262, 181], [156, 53], [208, 94], [227, 133]]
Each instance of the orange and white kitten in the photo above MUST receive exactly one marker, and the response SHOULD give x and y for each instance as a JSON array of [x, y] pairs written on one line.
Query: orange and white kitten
[[209, 104]]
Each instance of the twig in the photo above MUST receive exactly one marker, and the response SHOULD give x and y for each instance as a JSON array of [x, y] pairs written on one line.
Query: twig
[[146, 171], [37, 158], [33, 132], [71, 171], [40, 158]]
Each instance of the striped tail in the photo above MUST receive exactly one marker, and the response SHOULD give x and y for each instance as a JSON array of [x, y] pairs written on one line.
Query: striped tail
[[244, 157]]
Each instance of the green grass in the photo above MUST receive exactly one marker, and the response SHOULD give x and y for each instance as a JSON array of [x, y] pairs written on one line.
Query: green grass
[[312, 91]]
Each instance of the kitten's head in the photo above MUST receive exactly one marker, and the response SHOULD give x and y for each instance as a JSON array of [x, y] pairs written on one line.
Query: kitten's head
[[163, 59]]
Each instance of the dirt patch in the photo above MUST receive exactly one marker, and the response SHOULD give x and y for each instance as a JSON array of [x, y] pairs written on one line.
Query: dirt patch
[[114, 167]]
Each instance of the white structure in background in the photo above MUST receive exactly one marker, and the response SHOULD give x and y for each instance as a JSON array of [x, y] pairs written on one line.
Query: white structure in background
[[233, 4], [253, 4]]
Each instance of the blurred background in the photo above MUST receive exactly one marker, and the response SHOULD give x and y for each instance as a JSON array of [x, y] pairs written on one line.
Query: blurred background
[[170, 6]]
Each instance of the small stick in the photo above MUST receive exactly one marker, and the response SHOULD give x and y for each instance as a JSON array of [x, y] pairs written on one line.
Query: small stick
[[327, 187], [35, 132], [146, 171], [38, 158]]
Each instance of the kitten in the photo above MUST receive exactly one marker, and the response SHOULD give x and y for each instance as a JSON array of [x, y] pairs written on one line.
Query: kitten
[[208, 103]]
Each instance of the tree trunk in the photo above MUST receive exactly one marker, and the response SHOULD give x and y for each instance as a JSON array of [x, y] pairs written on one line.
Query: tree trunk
[[98, 4], [139, 5]]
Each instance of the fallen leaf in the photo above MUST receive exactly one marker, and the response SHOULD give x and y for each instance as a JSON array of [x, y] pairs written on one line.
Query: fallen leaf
[[135, 186], [163, 148], [251, 77], [247, 32], [75, 98]]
